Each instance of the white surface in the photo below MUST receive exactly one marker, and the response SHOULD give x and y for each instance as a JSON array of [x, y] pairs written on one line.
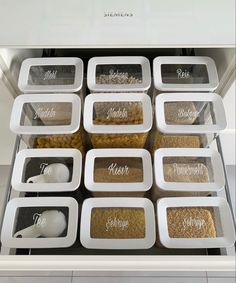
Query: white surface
[[227, 136], [22, 100], [82, 23], [138, 280], [191, 60], [9, 222], [134, 243], [221, 280], [35, 279], [23, 157], [126, 60], [142, 154], [7, 139], [57, 61]]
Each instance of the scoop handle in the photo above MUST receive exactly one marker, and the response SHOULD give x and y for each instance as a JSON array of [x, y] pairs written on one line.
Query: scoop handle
[[29, 232]]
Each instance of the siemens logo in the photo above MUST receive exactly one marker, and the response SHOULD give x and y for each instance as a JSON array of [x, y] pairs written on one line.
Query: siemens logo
[[118, 15]]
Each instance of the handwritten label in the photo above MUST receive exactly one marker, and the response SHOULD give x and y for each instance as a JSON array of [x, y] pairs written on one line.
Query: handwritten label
[[42, 166], [117, 75], [38, 220], [117, 114], [116, 170], [182, 74], [194, 222], [50, 75], [187, 114], [116, 223], [44, 113], [188, 170]]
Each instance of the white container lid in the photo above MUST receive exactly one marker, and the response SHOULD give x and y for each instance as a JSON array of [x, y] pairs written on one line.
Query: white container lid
[[117, 113], [41, 157], [205, 113], [226, 237], [117, 163], [135, 69], [59, 74], [186, 162], [46, 114], [48, 203], [98, 243], [185, 73]]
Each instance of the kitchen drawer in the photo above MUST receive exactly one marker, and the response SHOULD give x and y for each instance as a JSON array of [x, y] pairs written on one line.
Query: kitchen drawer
[[153, 260]]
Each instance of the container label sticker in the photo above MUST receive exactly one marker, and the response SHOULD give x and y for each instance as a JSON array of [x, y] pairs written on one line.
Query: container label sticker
[[116, 223], [115, 170]]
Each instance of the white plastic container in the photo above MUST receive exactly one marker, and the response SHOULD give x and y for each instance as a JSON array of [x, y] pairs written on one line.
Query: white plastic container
[[187, 171], [49, 120], [119, 74], [47, 170], [111, 223], [118, 172], [185, 73], [195, 222], [51, 75], [114, 120], [40, 222], [188, 119]]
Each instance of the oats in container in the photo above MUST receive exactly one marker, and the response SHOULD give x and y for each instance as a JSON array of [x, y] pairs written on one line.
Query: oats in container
[[186, 172]]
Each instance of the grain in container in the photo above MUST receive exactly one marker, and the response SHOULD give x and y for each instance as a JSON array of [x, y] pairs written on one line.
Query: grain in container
[[48, 121], [115, 121], [195, 222], [118, 172], [117, 223], [187, 119], [186, 172], [119, 74]]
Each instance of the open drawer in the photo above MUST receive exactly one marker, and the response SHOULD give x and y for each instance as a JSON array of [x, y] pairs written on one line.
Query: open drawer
[[77, 257]]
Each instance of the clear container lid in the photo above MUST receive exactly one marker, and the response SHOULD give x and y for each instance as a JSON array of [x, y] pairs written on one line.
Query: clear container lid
[[113, 113], [118, 74], [46, 114], [188, 169], [185, 73], [40, 222], [191, 113], [47, 170], [39, 75], [118, 170], [111, 223], [195, 222]]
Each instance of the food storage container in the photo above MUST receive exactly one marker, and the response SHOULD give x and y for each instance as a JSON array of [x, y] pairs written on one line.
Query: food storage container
[[119, 74], [195, 222], [118, 172], [114, 120], [185, 73], [187, 119], [117, 223], [40, 222], [49, 120], [47, 170], [187, 171], [47, 75]]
